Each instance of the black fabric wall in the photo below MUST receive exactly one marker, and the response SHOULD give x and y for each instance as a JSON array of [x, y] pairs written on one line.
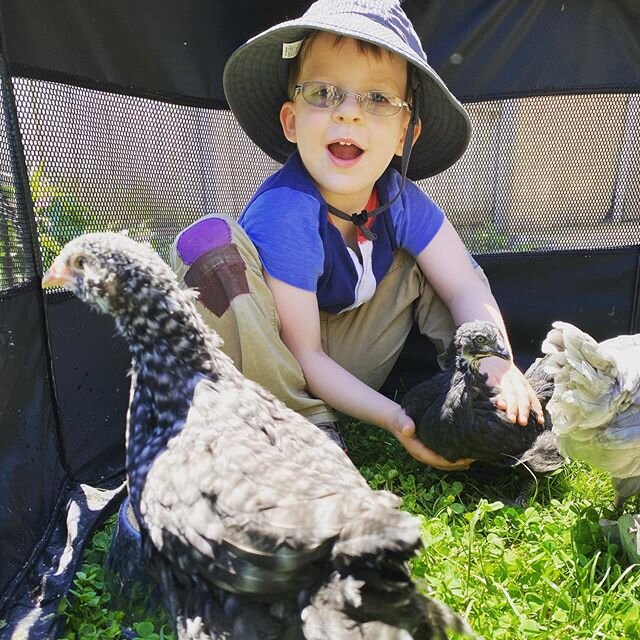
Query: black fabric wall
[[90, 363], [31, 474], [482, 48], [519, 47], [597, 291]]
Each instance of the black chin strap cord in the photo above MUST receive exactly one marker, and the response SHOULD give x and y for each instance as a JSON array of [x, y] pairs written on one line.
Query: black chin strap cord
[[360, 219]]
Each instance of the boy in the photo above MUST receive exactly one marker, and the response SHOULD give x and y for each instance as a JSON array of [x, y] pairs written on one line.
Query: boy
[[337, 254]]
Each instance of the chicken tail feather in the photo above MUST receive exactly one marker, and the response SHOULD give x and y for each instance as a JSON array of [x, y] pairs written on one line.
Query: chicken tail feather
[[381, 604]]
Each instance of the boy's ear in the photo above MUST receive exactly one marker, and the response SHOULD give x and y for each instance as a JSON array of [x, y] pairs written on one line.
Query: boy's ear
[[288, 121], [417, 129]]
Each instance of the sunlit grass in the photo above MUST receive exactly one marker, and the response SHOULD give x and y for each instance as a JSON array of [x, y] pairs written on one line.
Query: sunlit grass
[[543, 572], [546, 571]]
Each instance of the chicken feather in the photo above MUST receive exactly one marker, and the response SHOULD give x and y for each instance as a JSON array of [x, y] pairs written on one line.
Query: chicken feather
[[455, 414], [595, 405], [254, 523]]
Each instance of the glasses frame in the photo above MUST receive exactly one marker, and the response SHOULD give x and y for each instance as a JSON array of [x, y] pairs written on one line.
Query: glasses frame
[[360, 97]]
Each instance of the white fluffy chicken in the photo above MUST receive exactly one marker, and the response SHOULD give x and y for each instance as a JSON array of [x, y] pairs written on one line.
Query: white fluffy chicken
[[595, 407]]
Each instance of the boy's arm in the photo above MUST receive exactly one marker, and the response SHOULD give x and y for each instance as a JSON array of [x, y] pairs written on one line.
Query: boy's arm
[[446, 265], [326, 379]]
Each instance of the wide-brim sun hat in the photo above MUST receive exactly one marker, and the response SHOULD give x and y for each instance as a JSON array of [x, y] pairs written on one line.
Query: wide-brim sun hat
[[256, 78]]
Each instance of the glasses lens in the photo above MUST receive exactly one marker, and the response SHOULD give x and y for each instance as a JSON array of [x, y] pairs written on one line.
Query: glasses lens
[[381, 104], [321, 94], [325, 95]]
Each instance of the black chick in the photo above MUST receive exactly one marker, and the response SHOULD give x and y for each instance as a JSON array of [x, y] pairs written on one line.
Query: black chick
[[455, 416], [254, 523]]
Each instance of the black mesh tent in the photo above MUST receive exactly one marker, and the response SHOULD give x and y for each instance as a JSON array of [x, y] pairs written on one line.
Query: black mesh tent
[[114, 118]]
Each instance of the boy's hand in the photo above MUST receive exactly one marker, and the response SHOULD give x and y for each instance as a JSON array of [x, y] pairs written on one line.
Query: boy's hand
[[514, 394], [404, 429]]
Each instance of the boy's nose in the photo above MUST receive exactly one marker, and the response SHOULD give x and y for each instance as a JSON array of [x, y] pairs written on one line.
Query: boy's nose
[[348, 109]]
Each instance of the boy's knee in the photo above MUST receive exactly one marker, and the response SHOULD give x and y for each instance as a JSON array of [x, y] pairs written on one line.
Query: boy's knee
[[206, 256]]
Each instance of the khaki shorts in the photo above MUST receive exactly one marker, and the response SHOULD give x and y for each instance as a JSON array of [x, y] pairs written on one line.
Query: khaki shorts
[[236, 302]]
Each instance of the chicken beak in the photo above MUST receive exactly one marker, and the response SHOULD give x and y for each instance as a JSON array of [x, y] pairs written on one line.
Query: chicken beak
[[500, 352], [57, 275]]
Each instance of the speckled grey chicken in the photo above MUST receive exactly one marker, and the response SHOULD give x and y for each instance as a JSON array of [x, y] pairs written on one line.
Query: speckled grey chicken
[[456, 417], [255, 524], [595, 406]]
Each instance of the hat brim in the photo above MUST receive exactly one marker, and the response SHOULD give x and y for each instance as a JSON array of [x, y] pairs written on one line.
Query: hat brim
[[256, 77]]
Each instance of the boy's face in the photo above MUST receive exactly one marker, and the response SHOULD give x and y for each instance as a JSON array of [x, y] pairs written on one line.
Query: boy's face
[[345, 173]]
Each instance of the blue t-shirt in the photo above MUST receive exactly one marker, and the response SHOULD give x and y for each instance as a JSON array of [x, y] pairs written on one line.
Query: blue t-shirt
[[287, 220]]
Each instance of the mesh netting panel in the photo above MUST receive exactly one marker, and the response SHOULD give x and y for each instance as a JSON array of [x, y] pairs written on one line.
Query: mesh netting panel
[[101, 161], [16, 265], [541, 173], [547, 173]]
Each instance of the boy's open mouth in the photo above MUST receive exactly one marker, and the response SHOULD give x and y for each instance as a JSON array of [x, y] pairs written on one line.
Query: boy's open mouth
[[344, 150]]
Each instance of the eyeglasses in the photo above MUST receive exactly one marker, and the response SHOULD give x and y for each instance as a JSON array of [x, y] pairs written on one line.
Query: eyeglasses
[[326, 96]]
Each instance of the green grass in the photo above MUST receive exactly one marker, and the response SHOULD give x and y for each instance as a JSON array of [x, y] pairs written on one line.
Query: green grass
[[88, 610], [543, 572]]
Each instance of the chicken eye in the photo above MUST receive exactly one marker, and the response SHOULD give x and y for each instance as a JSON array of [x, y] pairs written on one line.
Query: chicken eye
[[78, 262]]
